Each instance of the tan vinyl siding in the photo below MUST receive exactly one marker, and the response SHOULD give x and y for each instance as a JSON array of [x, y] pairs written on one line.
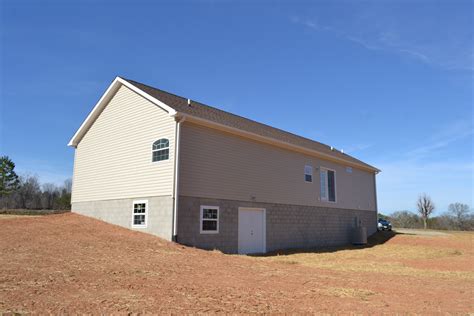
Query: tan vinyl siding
[[114, 158], [219, 165]]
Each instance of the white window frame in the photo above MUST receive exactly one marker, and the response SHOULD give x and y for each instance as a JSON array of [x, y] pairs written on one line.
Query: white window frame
[[201, 219], [154, 150], [326, 199], [146, 213], [306, 168]]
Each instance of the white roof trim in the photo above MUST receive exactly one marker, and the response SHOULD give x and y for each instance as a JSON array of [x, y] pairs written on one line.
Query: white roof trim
[[172, 112], [103, 102]]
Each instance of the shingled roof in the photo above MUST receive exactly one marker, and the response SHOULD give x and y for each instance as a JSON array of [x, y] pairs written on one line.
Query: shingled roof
[[203, 111]]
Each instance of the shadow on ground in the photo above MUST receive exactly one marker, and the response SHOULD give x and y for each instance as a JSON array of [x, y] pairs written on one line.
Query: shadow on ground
[[378, 238]]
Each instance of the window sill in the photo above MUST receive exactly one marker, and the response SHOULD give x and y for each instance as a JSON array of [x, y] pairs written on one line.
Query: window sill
[[204, 232], [139, 226]]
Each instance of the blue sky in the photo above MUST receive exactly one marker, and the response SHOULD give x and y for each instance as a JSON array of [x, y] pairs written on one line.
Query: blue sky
[[390, 82]]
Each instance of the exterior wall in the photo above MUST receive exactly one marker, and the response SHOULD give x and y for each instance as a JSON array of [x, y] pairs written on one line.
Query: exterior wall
[[219, 165], [287, 226], [113, 159], [119, 212]]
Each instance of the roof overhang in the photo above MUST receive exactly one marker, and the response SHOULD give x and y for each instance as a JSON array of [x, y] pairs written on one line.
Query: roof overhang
[[118, 82], [101, 104]]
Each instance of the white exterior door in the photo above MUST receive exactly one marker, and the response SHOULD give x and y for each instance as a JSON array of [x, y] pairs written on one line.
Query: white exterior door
[[252, 227]]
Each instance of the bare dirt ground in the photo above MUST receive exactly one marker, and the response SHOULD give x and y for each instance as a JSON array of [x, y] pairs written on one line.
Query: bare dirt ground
[[72, 264]]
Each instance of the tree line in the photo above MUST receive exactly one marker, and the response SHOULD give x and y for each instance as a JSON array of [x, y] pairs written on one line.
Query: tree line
[[458, 217], [26, 192]]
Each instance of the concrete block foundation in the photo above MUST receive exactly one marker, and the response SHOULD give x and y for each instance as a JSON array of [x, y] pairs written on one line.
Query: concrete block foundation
[[287, 226]]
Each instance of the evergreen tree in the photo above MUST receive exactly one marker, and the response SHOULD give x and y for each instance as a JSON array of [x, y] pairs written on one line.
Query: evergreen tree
[[8, 178]]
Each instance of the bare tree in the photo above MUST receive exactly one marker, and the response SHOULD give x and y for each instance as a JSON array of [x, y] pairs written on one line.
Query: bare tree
[[405, 219], [425, 207], [68, 185], [460, 212], [28, 195], [49, 195]]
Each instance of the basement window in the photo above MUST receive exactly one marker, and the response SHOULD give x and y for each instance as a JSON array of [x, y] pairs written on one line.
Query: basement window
[[308, 173], [140, 214], [161, 150], [328, 185], [209, 219]]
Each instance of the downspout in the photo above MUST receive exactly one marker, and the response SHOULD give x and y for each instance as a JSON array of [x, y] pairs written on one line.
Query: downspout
[[177, 136], [375, 196]]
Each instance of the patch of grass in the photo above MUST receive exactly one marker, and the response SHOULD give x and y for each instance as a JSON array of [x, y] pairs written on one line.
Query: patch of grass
[[395, 269], [9, 216], [31, 212], [387, 258], [291, 262], [349, 292]]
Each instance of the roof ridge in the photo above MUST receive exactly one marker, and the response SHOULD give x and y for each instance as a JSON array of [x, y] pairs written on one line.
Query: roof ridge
[[276, 129], [218, 109], [161, 90]]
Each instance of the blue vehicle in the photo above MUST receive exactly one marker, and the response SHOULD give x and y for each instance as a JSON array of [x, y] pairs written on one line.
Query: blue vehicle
[[383, 224]]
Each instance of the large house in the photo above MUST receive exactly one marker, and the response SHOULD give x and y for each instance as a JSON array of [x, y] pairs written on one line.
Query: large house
[[152, 161]]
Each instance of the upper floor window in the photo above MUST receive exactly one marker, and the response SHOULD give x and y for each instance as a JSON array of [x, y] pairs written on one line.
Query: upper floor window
[[308, 173], [328, 185], [161, 150]]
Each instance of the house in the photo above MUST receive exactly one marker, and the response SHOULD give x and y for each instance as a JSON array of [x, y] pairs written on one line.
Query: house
[[149, 160]]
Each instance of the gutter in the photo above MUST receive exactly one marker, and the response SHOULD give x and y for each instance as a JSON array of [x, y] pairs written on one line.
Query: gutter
[[175, 198]]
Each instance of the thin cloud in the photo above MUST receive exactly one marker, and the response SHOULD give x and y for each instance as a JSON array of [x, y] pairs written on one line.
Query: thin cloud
[[357, 148], [363, 43], [385, 38], [404, 177], [454, 132], [415, 54]]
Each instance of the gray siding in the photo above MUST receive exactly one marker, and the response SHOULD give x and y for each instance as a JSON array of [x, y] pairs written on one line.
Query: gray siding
[[287, 226], [113, 159], [119, 212], [215, 164]]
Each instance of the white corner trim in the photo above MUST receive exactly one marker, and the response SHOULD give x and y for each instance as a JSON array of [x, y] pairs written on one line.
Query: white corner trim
[[100, 105]]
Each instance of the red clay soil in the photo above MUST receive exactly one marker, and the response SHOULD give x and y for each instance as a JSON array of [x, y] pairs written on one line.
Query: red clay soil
[[72, 264]]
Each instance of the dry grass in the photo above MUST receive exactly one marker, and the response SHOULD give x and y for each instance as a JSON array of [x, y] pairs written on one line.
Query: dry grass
[[361, 294], [393, 258], [69, 264], [11, 216]]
